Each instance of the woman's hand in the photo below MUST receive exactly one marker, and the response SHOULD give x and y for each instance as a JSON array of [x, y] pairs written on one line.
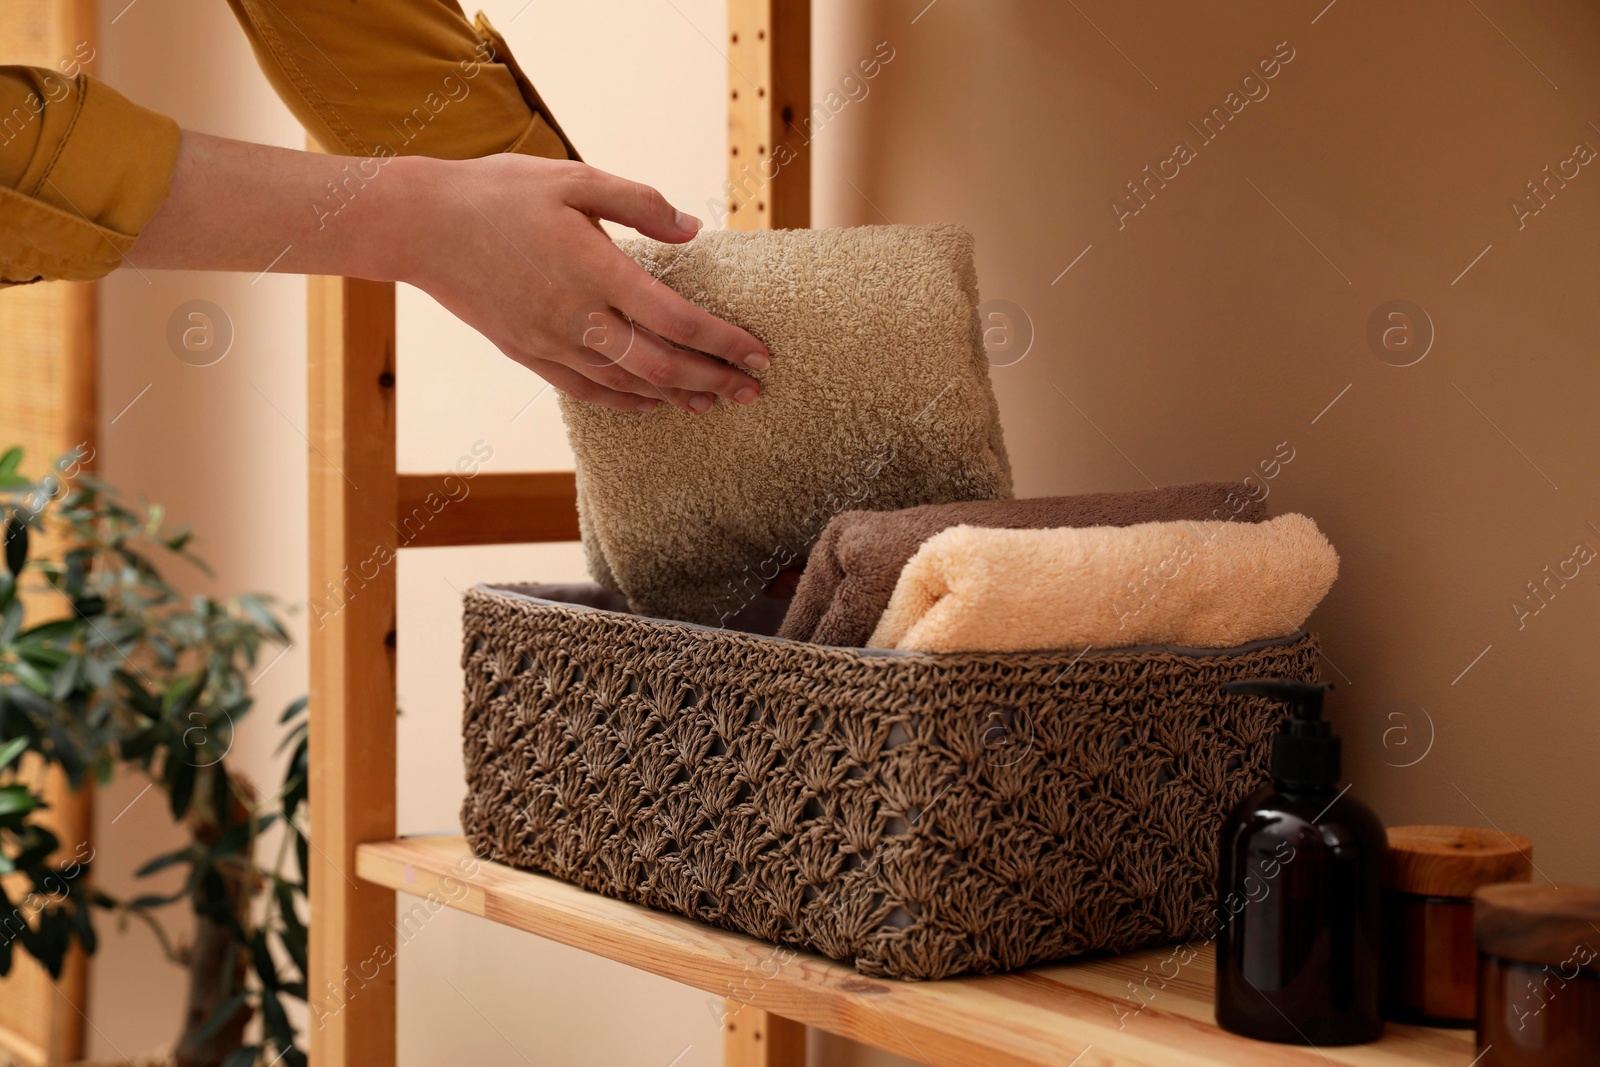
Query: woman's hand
[[507, 243], [511, 249]]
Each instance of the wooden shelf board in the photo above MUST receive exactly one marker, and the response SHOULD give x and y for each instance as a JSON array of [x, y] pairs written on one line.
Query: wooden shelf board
[[1086, 1013]]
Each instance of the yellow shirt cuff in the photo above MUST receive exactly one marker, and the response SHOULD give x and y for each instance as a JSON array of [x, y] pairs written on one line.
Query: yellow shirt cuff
[[101, 167]]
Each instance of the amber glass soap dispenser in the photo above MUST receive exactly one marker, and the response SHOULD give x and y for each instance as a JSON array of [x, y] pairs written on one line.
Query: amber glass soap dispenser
[[1300, 876]]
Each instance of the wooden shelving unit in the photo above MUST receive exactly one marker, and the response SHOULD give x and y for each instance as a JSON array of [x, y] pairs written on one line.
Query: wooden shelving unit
[[1122, 1011], [1139, 1010]]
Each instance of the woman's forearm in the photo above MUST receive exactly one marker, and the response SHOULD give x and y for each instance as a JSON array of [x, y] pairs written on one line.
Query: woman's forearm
[[507, 243], [247, 207]]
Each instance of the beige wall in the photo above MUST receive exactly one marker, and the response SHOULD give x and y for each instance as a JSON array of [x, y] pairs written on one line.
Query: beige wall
[[1215, 324], [1224, 317]]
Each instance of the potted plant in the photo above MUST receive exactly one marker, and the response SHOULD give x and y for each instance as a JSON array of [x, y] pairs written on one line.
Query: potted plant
[[130, 673]]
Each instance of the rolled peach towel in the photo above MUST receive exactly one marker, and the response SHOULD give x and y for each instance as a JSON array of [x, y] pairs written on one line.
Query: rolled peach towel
[[1197, 584]]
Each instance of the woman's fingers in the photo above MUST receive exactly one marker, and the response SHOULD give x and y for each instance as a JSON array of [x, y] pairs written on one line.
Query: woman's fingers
[[640, 296], [613, 375], [611, 352], [641, 353], [673, 368], [659, 309], [633, 204], [581, 387]]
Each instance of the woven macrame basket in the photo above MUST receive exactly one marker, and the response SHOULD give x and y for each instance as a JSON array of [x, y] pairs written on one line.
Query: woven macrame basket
[[917, 815]]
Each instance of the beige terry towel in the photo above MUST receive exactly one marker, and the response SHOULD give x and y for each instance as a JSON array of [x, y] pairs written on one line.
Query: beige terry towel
[[878, 397], [1196, 584]]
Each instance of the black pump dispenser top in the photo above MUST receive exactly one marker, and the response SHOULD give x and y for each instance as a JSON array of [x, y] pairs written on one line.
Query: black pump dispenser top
[[1305, 752]]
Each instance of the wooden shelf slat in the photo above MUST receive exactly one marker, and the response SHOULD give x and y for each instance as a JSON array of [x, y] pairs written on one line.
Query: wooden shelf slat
[[1046, 1016], [434, 510]]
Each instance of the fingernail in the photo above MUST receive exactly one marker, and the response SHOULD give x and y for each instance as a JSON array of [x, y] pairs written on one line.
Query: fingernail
[[747, 395], [700, 403], [646, 405], [688, 222], [756, 361]]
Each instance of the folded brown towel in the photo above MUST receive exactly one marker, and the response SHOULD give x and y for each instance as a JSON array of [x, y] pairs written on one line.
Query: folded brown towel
[[878, 396], [855, 564], [1194, 584]]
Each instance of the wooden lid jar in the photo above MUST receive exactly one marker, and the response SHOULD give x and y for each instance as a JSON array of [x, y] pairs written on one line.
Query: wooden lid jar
[[1430, 875], [1538, 975]]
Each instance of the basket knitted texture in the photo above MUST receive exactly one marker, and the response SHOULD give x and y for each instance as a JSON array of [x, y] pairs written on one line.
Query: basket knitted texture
[[878, 397], [919, 815]]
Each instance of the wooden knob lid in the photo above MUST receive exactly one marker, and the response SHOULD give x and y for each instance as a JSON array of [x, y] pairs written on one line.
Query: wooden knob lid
[[1453, 861], [1544, 924]]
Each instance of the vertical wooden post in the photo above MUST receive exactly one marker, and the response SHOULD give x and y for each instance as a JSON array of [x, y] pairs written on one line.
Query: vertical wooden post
[[769, 105], [351, 627], [755, 1038], [769, 187]]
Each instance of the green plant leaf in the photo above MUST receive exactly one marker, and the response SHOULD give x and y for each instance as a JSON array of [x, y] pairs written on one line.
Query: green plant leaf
[[181, 697], [11, 459], [29, 701], [165, 860], [65, 680], [90, 606], [234, 839], [17, 800], [12, 749], [30, 676], [55, 630], [84, 922], [16, 543], [65, 750], [98, 672], [261, 959], [139, 747], [37, 845], [276, 1020], [48, 939], [293, 934], [12, 623], [77, 568], [255, 609], [180, 775]]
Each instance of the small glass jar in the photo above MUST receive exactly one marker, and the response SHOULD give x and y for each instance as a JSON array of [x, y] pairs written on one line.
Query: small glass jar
[[1538, 975], [1429, 959]]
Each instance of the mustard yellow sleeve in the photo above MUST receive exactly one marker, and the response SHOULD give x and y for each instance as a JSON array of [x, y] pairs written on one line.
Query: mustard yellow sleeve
[[82, 169], [399, 77]]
